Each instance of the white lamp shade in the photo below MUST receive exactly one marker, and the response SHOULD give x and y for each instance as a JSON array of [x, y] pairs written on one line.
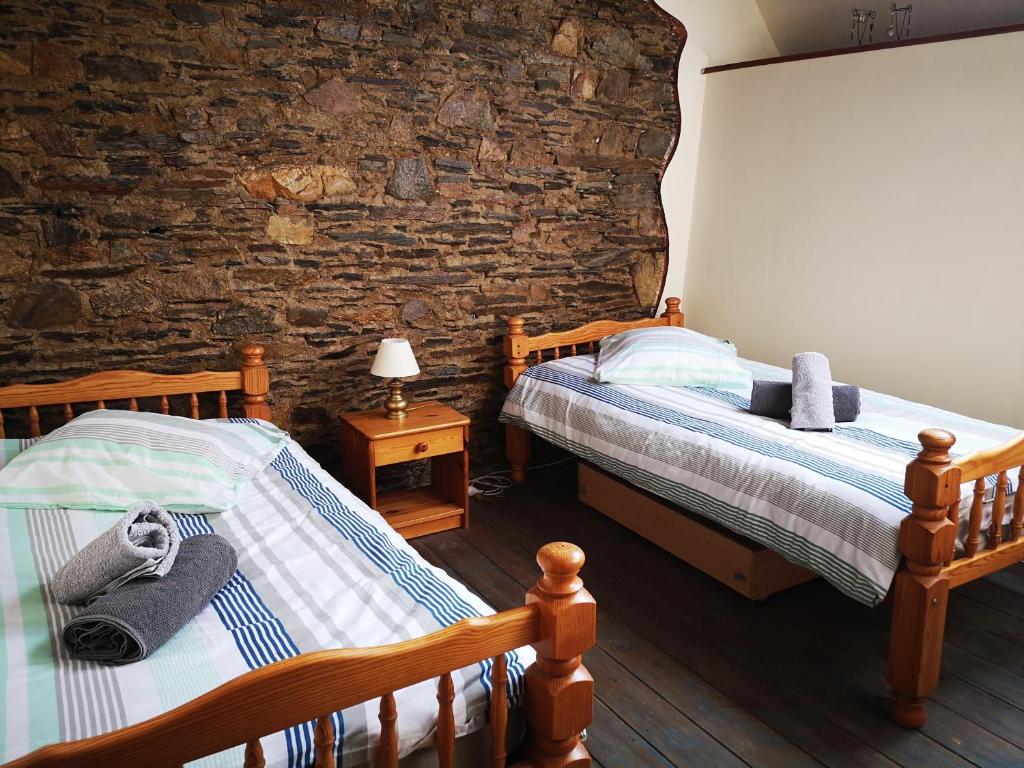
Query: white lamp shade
[[394, 359]]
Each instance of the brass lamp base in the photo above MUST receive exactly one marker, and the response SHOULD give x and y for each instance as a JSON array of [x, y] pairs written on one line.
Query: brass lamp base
[[396, 404]]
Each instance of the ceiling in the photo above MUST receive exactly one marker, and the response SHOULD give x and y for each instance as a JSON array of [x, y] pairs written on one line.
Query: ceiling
[[798, 26]]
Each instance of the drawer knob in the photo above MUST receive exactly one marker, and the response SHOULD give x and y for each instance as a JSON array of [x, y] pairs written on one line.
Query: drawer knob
[[421, 447]]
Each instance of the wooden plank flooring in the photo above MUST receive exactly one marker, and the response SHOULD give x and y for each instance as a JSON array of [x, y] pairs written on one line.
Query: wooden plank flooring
[[689, 673]]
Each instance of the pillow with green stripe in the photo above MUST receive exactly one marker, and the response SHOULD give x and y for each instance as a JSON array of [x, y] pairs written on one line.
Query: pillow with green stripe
[[113, 460], [669, 357]]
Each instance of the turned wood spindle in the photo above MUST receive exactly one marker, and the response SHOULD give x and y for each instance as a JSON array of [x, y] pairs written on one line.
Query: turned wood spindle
[[499, 710], [165, 407], [974, 521], [133, 405], [387, 749], [1018, 508], [953, 515], [3, 434], [69, 413], [995, 533], [254, 755], [222, 404], [33, 422], [590, 346], [445, 735], [323, 741], [100, 405], [558, 353], [538, 356], [193, 405], [573, 348]]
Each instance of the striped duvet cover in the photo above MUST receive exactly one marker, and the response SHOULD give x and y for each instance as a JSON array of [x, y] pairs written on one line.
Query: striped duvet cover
[[317, 569], [832, 502]]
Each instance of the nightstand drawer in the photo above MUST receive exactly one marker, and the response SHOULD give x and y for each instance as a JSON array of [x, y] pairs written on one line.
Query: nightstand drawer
[[393, 450]]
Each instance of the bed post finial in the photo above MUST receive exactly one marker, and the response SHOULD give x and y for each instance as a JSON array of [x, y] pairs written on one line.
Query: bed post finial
[[255, 383], [559, 689], [920, 591], [672, 313]]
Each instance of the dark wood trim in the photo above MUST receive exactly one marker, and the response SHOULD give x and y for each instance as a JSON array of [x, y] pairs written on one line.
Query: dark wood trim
[[870, 47]]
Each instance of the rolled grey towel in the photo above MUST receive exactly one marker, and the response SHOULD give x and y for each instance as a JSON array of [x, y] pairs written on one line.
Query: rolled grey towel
[[134, 620], [143, 544], [774, 399], [812, 393]]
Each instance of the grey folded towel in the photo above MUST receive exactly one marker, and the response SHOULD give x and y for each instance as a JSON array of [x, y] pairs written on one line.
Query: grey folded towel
[[775, 398], [812, 393], [142, 544], [134, 620]]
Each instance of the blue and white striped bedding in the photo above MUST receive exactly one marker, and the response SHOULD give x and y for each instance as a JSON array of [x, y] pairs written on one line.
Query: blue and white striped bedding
[[830, 501], [317, 569]]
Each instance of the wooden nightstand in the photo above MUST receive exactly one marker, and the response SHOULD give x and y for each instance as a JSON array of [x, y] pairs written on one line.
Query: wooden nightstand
[[431, 431]]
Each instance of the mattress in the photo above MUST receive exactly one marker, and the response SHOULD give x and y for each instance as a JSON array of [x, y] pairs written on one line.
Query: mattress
[[832, 502], [317, 569]]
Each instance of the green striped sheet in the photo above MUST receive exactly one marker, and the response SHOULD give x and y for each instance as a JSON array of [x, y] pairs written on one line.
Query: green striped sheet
[[669, 357], [113, 460]]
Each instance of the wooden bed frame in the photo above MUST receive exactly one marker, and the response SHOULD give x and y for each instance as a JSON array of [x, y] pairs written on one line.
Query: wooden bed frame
[[559, 620], [931, 565]]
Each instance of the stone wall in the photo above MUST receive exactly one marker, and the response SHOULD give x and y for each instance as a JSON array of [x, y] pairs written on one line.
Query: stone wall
[[176, 176]]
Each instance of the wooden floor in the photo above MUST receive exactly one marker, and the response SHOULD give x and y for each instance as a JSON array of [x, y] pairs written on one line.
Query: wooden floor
[[688, 673]]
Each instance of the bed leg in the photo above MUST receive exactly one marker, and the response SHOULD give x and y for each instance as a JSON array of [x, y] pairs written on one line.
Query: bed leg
[[517, 448], [921, 591], [559, 689]]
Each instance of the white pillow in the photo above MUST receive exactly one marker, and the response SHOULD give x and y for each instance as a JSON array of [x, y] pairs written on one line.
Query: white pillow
[[114, 460], [670, 357]]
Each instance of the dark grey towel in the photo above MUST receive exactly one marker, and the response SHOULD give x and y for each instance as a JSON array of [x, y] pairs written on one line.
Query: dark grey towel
[[135, 619], [774, 399]]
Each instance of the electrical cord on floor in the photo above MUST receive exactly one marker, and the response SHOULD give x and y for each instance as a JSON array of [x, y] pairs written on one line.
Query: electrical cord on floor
[[496, 483]]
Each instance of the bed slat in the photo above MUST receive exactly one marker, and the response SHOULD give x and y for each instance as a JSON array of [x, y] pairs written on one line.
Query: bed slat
[[995, 534], [323, 740], [254, 755], [1018, 508], [387, 749], [445, 721], [974, 524], [499, 710]]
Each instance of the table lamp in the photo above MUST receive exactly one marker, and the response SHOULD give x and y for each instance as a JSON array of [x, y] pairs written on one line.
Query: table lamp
[[394, 360]]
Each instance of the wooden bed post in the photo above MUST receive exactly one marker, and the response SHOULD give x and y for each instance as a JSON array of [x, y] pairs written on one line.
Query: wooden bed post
[[672, 313], [255, 383], [559, 689], [920, 591], [517, 441]]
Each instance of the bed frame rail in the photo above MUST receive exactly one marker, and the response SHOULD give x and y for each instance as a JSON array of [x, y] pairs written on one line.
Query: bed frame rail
[[558, 619], [252, 379], [522, 351], [931, 565]]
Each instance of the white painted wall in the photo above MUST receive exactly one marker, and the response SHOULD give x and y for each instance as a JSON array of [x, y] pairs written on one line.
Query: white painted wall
[[717, 32], [871, 207]]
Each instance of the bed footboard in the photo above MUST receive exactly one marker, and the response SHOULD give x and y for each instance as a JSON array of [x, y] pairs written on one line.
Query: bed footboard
[[559, 620], [932, 565]]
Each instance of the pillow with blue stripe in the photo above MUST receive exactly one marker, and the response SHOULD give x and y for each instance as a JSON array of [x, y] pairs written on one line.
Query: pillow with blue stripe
[[112, 460], [670, 357]]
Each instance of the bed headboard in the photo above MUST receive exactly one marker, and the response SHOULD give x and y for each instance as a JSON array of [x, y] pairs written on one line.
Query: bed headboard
[[519, 346], [252, 379]]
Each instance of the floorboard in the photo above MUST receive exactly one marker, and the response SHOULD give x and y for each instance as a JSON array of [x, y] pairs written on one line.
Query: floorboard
[[690, 673]]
